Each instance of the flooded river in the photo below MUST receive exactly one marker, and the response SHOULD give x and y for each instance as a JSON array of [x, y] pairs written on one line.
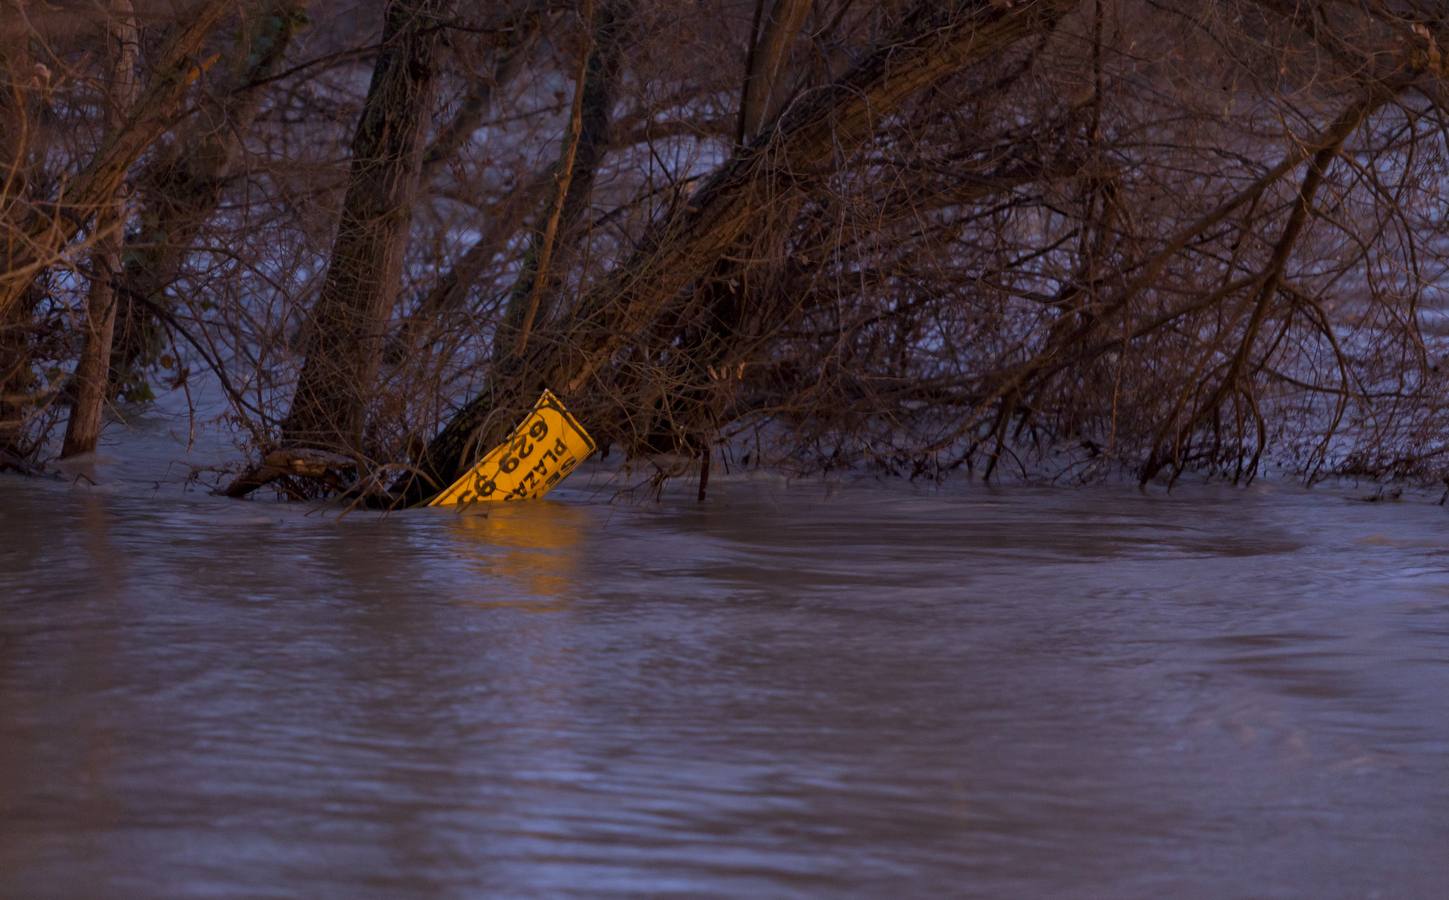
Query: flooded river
[[785, 691]]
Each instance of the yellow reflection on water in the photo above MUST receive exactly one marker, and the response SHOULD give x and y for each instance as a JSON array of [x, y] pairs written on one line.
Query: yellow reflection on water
[[533, 545]]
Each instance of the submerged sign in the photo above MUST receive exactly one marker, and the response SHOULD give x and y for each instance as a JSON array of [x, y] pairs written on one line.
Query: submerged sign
[[540, 453]]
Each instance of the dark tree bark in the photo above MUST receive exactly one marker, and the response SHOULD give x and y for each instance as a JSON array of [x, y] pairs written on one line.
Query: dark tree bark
[[940, 39], [346, 329]]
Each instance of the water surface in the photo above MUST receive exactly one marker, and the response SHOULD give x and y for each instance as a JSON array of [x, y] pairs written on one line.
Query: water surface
[[786, 691]]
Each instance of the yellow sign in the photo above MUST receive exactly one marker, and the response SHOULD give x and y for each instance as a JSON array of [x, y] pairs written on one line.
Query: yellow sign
[[540, 453]]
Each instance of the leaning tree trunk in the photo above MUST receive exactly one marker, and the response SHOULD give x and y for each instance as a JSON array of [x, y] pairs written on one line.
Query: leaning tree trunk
[[83, 428], [345, 333], [584, 148], [675, 414], [940, 39], [766, 63]]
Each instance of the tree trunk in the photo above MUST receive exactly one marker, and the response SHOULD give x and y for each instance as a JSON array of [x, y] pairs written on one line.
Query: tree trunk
[[941, 39], [346, 330], [83, 428], [584, 147], [766, 63], [591, 123], [38, 235], [181, 187], [675, 415]]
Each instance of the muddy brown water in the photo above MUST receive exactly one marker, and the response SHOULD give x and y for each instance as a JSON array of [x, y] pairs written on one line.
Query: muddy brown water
[[786, 691]]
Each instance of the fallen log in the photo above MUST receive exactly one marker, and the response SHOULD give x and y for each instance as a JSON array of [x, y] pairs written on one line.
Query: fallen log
[[300, 462]]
